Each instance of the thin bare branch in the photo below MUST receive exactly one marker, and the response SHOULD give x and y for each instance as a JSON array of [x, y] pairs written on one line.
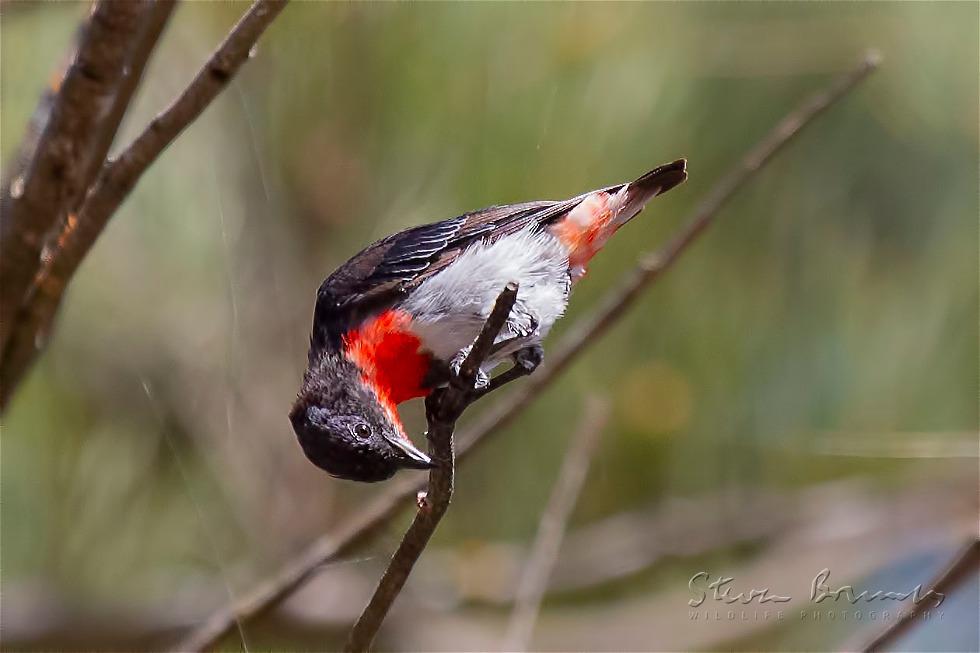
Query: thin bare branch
[[963, 566], [153, 20], [443, 408], [32, 323], [53, 179], [551, 528], [373, 519]]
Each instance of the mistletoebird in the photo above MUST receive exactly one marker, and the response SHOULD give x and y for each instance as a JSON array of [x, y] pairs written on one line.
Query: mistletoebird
[[391, 322]]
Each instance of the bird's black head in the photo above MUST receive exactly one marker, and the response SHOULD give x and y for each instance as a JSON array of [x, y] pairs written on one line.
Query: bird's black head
[[344, 429]]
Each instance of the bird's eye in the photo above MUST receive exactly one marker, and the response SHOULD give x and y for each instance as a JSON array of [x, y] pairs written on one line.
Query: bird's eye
[[362, 430]]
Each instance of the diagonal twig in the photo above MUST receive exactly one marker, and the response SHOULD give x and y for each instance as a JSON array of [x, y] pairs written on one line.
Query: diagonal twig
[[153, 20], [964, 565], [32, 322], [443, 408], [376, 516], [551, 528]]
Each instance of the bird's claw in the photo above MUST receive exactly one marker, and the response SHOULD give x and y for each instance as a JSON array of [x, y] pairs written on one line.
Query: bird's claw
[[529, 358], [482, 379], [527, 328]]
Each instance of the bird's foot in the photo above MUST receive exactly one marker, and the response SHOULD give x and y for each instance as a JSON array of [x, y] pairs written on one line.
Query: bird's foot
[[524, 327], [480, 382], [529, 358], [526, 360]]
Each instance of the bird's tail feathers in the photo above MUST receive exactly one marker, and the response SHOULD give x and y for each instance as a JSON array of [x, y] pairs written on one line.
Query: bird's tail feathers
[[633, 196], [597, 216]]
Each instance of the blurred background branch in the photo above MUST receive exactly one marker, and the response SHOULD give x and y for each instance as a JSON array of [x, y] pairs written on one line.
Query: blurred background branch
[[607, 556], [551, 528], [965, 565], [582, 334], [34, 285]]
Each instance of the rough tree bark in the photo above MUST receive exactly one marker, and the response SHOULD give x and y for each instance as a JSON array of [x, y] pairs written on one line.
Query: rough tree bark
[[54, 179]]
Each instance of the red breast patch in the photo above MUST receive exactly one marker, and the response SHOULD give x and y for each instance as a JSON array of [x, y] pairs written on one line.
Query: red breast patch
[[388, 354]]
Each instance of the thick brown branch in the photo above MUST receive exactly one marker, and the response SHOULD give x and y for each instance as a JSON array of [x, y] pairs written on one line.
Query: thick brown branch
[[53, 180], [33, 321], [442, 410], [551, 528], [153, 18], [963, 566], [12, 183], [373, 519]]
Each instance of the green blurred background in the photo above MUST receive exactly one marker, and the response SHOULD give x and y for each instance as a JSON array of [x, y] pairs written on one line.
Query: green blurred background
[[800, 392]]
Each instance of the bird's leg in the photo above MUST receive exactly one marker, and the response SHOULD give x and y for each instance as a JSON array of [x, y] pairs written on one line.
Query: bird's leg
[[529, 358], [524, 326], [482, 379], [526, 360]]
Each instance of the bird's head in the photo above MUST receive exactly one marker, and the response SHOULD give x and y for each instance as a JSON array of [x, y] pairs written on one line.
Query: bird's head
[[346, 430]]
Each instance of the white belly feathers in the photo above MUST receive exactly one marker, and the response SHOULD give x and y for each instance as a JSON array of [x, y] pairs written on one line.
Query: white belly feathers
[[450, 308]]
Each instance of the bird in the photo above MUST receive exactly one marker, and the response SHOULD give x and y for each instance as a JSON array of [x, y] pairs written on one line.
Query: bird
[[391, 322]]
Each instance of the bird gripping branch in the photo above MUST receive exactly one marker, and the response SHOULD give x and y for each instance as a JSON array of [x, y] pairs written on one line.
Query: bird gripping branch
[[393, 322]]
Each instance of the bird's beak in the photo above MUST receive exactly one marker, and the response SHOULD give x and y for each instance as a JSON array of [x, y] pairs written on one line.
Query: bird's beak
[[411, 456]]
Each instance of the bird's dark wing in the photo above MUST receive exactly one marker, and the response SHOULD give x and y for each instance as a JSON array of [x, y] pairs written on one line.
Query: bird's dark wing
[[387, 270]]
